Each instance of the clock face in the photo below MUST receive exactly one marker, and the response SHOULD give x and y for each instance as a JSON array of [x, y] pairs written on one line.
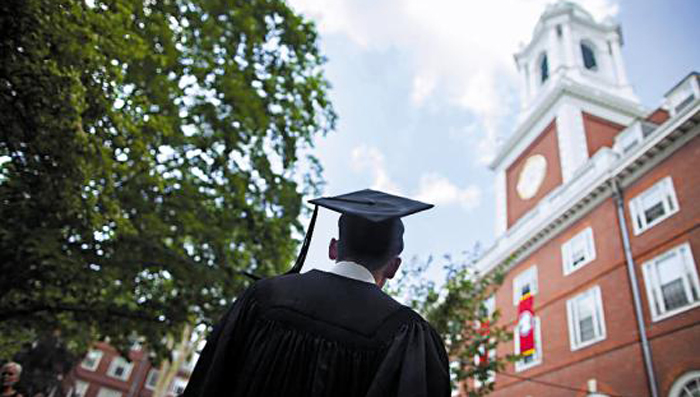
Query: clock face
[[531, 176]]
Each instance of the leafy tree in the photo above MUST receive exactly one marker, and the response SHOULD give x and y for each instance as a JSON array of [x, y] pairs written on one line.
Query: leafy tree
[[456, 309], [149, 152], [43, 364]]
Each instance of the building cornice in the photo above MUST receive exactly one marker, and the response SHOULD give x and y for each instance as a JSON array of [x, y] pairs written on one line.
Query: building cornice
[[592, 184], [573, 17], [564, 86]]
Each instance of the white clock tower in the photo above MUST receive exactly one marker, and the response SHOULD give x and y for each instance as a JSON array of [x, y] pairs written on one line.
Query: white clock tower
[[575, 98]]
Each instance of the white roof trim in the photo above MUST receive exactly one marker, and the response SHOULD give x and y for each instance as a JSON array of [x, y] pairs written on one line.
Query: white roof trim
[[564, 86], [591, 183]]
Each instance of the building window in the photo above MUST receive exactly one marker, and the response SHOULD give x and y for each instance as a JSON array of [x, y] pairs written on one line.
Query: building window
[[189, 364], [152, 379], [687, 385], [682, 96], [80, 389], [578, 251], [120, 368], [107, 392], [586, 319], [525, 282], [92, 360], [178, 386], [533, 359], [544, 69], [672, 282], [589, 61], [653, 205]]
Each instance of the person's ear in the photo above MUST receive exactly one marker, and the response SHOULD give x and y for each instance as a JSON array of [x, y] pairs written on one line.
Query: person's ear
[[392, 268], [333, 249]]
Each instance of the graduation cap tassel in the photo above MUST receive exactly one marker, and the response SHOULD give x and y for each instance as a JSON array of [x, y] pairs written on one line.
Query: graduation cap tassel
[[305, 245]]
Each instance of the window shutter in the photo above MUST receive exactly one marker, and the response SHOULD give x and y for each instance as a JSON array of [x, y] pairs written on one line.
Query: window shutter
[[590, 244], [572, 322], [657, 286], [637, 222], [670, 194], [566, 257], [600, 312], [686, 276]]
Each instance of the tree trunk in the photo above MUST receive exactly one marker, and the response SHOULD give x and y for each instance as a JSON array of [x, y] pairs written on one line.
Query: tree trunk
[[179, 354]]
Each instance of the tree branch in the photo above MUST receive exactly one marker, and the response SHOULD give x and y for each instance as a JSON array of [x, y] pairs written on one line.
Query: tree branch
[[6, 315]]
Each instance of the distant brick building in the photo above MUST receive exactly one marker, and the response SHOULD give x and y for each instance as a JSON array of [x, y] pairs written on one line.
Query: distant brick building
[[104, 373], [598, 202]]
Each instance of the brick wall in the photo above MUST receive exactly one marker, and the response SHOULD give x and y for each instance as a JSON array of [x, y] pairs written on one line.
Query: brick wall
[[615, 362], [599, 132], [546, 145]]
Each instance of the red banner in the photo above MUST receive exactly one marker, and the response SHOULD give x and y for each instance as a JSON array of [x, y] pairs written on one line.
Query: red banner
[[526, 325], [483, 353]]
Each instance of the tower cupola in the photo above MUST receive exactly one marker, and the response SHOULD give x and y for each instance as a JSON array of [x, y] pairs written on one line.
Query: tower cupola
[[568, 43]]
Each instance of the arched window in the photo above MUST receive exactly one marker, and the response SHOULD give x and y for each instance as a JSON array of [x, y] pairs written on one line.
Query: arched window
[[544, 69], [589, 61], [687, 385]]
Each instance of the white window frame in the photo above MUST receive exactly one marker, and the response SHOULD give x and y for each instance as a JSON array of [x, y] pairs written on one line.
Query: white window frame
[[152, 373], [178, 381], [96, 355], [187, 364], [537, 360], [682, 382], [567, 250], [653, 288], [79, 389], [109, 392], [528, 276], [120, 361], [639, 222], [598, 318]]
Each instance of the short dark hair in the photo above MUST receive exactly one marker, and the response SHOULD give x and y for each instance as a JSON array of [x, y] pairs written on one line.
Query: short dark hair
[[368, 243]]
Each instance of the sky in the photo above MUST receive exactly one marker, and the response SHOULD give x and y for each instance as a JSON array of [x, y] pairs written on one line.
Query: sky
[[426, 90]]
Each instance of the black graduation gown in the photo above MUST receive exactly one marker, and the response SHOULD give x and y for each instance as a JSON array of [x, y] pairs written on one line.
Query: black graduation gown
[[320, 334]]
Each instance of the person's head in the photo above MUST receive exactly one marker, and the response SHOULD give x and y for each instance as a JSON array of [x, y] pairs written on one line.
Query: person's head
[[10, 373], [374, 245]]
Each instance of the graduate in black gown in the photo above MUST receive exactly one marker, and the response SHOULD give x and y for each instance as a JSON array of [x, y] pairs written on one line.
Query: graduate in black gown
[[330, 333]]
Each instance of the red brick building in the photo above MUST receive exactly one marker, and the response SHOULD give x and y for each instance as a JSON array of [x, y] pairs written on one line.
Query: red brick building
[[105, 373], [598, 205]]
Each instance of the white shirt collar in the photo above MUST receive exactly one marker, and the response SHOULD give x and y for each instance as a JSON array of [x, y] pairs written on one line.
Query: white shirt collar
[[352, 270]]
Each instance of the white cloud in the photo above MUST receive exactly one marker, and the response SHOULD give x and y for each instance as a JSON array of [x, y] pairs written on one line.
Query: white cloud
[[423, 87], [460, 51], [369, 158], [433, 187], [437, 189]]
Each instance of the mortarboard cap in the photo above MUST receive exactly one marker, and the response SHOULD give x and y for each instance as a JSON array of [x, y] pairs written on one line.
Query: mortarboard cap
[[372, 205], [362, 207]]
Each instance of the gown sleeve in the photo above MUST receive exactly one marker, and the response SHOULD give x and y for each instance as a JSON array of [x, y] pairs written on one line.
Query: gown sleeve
[[415, 365], [208, 372]]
